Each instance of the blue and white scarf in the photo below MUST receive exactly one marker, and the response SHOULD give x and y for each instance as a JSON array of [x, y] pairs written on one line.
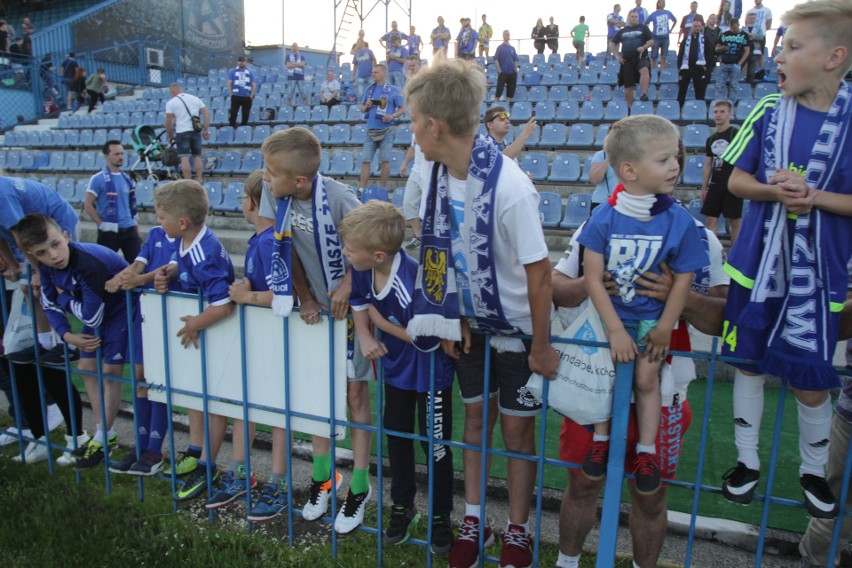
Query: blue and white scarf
[[700, 58], [436, 301], [110, 214], [326, 239], [804, 334]]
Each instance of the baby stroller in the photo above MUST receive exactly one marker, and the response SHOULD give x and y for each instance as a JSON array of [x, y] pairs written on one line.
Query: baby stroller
[[148, 147]]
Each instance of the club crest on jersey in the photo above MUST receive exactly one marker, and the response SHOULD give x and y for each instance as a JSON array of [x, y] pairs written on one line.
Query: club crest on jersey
[[435, 267]]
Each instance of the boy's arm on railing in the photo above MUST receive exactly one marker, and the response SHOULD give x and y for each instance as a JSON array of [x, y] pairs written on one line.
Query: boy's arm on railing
[[386, 326], [194, 324], [371, 347]]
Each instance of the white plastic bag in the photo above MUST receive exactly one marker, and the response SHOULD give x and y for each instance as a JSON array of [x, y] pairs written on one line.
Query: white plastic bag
[[582, 390], [19, 328]]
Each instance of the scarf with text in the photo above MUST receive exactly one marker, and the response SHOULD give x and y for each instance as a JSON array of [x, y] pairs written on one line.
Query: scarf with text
[[110, 214], [699, 57]]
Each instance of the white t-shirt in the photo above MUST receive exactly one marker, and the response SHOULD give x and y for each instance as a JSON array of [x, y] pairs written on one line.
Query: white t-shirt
[[183, 121], [761, 16], [518, 239]]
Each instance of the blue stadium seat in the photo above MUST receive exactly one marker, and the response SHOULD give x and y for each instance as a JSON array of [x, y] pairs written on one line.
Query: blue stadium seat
[[553, 135], [568, 110], [668, 75], [302, 113], [537, 94], [325, 161], [321, 131], [261, 133], [545, 110], [592, 110], [319, 113], [89, 161], [568, 77], [642, 107], [694, 208], [403, 135], [398, 197], [566, 167], [763, 89], [354, 114], [743, 91], [587, 169], [693, 172], [145, 193], [669, 109], [549, 208], [41, 159], [374, 192], [520, 94], [337, 114], [233, 197], [521, 111], [667, 91], [342, 163], [535, 164], [580, 92], [558, 93], [99, 137], [603, 130], [550, 78], [601, 92], [396, 158], [225, 136], [339, 134], [49, 181], [214, 193], [531, 141], [242, 136], [358, 135], [695, 136], [57, 161], [581, 135], [530, 78], [587, 77], [577, 210], [252, 160], [67, 189], [744, 108], [72, 160], [87, 138], [285, 114], [231, 162], [694, 110], [114, 134], [615, 110], [274, 100], [80, 190], [608, 77]]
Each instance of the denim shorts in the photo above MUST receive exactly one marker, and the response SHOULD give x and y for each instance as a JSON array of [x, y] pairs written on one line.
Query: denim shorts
[[188, 143], [661, 45], [384, 147]]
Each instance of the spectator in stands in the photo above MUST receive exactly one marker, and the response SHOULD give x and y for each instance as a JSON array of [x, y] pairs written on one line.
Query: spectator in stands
[[359, 43], [295, 63], [362, 66], [507, 64], [762, 24], [778, 45], [184, 114], [381, 104], [466, 40], [111, 204], [693, 58], [486, 32], [440, 37], [397, 58], [330, 90], [712, 33], [552, 36], [751, 65], [614, 22], [386, 40], [724, 15], [415, 42], [579, 34], [602, 176], [17, 53], [4, 36], [636, 40], [242, 85], [27, 31], [49, 108], [686, 21], [95, 86], [714, 189], [662, 21], [47, 72], [68, 71], [648, 512], [79, 86], [733, 47], [539, 36], [498, 126], [643, 13], [444, 103]]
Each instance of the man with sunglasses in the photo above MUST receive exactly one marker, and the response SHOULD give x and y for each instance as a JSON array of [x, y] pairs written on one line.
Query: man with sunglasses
[[498, 125]]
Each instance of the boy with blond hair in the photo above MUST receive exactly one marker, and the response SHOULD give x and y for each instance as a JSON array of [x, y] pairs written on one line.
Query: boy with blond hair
[[382, 287], [788, 265], [484, 264], [310, 207], [632, 233], [200, 263]]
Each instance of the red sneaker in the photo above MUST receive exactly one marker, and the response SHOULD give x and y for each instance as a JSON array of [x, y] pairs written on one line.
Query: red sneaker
[[465, 551], [647, 473], [517, 552]]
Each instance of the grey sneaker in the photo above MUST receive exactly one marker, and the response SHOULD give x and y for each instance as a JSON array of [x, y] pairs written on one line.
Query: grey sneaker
[[413, 243]]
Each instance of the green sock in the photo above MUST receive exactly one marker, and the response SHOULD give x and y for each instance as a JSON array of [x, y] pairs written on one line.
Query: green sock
[[322, 467], [360, 481]]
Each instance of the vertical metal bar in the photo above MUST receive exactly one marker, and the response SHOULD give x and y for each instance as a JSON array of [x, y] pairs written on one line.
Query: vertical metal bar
[[484, 449], [379, 464], [128, 305], [291, 537], [542, 441], [246, 437], [99, 358], [770, 478], [332, 436], [15, 397], [430, 458], [844, 495], [42, 398], [168, 380], [202, 337]]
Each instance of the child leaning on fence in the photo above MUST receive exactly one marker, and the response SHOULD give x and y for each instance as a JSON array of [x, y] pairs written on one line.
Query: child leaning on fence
[[382, 287], [788, 266], [636, 230], [202, 264]]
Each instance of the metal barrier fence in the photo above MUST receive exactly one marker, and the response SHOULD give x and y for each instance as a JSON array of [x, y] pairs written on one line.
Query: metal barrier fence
[[615, 468]]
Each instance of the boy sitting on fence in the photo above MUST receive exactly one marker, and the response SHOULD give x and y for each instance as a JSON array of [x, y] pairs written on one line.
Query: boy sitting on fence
[[201, 263], [382, 287], [636, 230], [791, 159]]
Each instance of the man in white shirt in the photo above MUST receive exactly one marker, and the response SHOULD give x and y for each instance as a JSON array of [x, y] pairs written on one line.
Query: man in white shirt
[[186, 132]]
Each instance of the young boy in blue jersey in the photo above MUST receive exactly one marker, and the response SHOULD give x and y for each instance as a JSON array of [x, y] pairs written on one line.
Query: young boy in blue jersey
[[73, 279], [310, 207], [382, 287], [151, 417], [631, 234], [791, 159], [202, 264]]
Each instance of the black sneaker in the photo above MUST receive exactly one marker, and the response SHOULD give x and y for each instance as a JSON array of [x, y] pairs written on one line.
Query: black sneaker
[[56, 357], [92, 457], [644, 98], [647, 473], [124, 465], [819, 500], [147, 465], [739, 483], [402, 519], [442, 534], [196, 483], [594, 466], [23, 357]]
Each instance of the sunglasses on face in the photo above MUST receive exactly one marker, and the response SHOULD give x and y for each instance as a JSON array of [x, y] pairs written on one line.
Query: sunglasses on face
[[502, 116]]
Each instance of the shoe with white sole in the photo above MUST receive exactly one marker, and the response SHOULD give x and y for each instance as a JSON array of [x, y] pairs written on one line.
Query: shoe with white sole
[[11, 435], [54, 417], [351, 514], [34, 452], [319, 494], [67, 459]]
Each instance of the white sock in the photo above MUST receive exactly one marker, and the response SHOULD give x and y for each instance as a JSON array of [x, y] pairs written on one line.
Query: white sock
[[600, 437], [814, 430], [748, 411], [525, 526], [636, 565], [47, 339], [565, 561], [471, 510], [99, 435], [643, 449]]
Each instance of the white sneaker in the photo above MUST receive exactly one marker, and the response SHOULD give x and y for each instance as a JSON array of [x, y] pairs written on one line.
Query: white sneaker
[[10, 436], [66, 459], [318, 496], [54, 417], [351, 515], [34, 452]]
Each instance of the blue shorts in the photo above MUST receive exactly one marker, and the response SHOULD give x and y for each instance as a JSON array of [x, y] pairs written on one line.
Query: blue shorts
[[115, 337], [384, 147], [743, 343], [661, 45], [188, 143]]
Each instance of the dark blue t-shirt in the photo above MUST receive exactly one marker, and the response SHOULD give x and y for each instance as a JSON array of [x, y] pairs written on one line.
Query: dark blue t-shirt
[[507, 57], [630, 38]]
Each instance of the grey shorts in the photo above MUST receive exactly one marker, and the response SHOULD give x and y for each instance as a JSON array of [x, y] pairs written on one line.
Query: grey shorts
[[508, 378], [412, 197], [384, 147], [358, 368]]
